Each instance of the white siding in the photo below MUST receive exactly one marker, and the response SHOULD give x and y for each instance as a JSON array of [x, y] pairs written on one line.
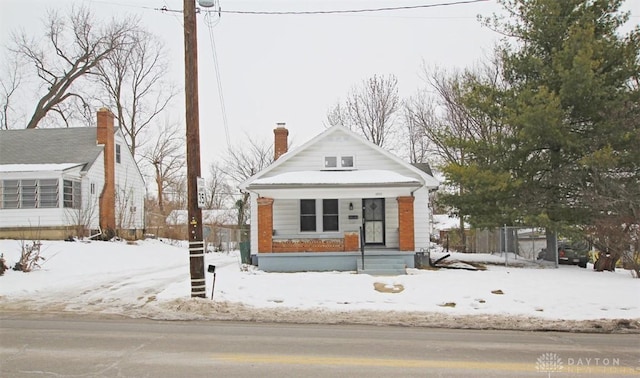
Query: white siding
[[91, 202], [254, 223], [346, 224], [421, 219], [340, 144], [392, 223], [130, 189], [40, 217], [286, 220], [286, 217]]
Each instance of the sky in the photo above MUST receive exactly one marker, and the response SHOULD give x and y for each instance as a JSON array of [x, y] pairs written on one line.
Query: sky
[[150, 279], [293, 68]]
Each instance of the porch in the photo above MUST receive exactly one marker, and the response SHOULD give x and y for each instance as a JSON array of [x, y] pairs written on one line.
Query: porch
[[376, 261]]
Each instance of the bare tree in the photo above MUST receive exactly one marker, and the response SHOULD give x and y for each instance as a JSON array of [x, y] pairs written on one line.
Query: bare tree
[[134, 79], [416, 111], [370, 109], [75, 45], [176, 191], [10, 81], [217, 188], [166, 156], [244, 162], [445, 118]]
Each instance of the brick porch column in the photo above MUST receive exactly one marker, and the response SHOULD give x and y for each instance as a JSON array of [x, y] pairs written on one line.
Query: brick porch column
[[405, 224], [265, 224]]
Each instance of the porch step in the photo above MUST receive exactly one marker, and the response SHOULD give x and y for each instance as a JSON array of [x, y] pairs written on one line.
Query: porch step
[[382, 265]]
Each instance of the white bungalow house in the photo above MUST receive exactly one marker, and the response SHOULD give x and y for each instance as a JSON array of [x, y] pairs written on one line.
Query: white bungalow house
[[338, 202], [62, 182]]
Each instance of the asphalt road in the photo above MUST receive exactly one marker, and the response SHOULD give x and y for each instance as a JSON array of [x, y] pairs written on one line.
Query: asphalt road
[[55, 345]]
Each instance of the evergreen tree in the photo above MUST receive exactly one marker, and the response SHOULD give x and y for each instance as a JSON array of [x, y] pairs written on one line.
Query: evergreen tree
[[570, 98]]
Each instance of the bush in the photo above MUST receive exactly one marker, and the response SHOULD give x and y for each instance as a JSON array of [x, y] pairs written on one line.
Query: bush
[[29, 257], [3, 265]]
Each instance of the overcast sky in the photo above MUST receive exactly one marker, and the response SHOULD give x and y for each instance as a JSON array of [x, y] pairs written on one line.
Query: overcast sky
[[293, 68]]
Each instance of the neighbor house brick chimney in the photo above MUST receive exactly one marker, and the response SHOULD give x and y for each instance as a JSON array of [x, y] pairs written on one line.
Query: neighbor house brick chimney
[[281, 142], [105, 136]]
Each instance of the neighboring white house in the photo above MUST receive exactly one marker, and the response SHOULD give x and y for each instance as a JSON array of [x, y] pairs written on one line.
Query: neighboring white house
[[62, 182], [314, 205]]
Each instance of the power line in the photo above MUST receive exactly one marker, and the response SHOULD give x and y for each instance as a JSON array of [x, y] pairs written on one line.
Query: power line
[[210, 24], [364, 10], [334, 11]]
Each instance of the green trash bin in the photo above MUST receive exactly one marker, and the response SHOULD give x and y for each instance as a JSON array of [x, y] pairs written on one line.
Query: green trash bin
[[245, 252]]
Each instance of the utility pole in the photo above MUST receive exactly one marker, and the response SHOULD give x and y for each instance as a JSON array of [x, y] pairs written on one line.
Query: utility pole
[[196, 244]]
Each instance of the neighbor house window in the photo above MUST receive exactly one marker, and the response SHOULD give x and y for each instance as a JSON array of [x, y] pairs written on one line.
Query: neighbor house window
[[307, 215], [330, 215], [48, 193], [117, 153], [71, 194], [30, 194], [11, 194]]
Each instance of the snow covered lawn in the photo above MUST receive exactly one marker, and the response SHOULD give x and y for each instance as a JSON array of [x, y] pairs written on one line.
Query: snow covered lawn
[[151, 279]]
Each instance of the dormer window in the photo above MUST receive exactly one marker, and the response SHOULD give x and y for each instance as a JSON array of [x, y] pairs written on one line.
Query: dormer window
[[339, 162], [346, 161], [330, 162]]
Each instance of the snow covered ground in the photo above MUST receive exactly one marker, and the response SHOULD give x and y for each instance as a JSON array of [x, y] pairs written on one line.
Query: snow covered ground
[[151, 279]]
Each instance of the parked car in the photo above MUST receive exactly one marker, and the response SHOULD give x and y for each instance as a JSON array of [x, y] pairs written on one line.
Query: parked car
[[569, 253], [572, 254]]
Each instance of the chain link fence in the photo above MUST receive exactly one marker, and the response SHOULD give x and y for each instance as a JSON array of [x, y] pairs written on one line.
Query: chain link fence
[[523, 242]]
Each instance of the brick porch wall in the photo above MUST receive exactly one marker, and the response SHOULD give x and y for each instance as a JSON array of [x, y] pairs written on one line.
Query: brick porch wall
[[351, 241], [405, 224], [309, 245], [265, 224]]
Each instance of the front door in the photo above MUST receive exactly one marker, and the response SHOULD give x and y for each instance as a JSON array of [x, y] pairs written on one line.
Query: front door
[[373, 219]]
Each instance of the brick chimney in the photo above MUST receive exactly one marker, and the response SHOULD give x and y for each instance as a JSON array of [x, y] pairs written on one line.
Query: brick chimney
[[281, 143], [105, 136]]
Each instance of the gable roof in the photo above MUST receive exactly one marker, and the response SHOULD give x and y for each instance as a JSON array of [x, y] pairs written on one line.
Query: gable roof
[[50, 146], [428, 180]]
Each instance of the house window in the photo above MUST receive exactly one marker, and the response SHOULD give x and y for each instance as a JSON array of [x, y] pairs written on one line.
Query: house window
[[330, 162], [30, 194], [11, 194], [71, 194], [307, 215], [48, 193], [93, 188], [339, 162], [329, 215], [118, 153], [346, 161]]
